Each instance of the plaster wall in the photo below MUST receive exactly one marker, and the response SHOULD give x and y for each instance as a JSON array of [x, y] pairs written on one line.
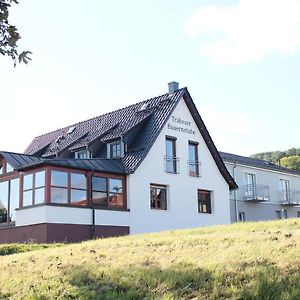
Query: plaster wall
[[70, 215], [259, 211], [182, 203]]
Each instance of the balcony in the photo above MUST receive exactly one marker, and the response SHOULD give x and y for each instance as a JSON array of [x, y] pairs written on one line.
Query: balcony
[[254, 193], [171, 164], [289, 197], [194, 168]]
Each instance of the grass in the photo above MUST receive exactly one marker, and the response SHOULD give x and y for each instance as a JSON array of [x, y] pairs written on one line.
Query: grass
[[8, 249], [240, 261]]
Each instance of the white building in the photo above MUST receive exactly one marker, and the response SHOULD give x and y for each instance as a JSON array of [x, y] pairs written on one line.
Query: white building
[[148, 167], [266, 191]]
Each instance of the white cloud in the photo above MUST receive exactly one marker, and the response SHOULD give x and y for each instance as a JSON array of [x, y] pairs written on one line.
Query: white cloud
[[231, 131], [247, 31]]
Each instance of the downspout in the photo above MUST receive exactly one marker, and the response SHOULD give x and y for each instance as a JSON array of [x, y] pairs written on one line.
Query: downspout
[[235, 196], [93, 229]]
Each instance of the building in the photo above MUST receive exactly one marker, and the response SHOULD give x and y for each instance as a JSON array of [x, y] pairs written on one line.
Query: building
[[266, 191], [147, 167]]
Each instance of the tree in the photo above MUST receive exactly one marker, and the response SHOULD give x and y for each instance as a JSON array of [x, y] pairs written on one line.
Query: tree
[[291, 162], [9, 35]]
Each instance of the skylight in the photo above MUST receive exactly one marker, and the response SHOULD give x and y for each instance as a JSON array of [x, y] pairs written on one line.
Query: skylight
[[144, 106], [71, 130]]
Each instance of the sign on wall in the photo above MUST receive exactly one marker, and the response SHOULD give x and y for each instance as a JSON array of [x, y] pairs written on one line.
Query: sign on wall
[[178, 124]]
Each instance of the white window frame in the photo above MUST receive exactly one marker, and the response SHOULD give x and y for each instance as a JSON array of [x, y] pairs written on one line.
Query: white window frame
[[87, 152]]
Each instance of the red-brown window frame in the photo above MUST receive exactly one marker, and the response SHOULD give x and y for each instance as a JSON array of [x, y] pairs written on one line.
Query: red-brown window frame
[[110, 176]]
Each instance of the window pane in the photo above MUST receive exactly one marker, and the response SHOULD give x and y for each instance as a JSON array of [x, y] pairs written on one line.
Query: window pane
[[59, 195], [192, 152], [78, 181], [158, 197], [40, 179], [115, 186], [14, 197], [116, 199], [99, 198], [170, 148], [99, 184], [27, 198], [28, 181], [79, 197], [59, 178], [3, 201], [9, 168], [204, 201], [39, 196]]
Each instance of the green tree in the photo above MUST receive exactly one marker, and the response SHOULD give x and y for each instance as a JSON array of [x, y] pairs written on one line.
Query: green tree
[[9, 35], [291, 162]]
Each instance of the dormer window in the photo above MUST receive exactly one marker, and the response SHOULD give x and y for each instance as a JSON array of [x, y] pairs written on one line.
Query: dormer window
[[115, 149], [83, 154]]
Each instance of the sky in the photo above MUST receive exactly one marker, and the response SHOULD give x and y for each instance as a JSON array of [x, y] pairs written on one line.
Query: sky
[[239, 59]]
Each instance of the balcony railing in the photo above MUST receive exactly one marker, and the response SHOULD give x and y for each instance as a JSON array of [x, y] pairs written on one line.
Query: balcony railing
[[254, 193], [289, 197], [194, 168], [171, 164]]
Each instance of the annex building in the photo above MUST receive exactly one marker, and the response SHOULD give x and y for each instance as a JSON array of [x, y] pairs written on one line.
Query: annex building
[[147, 167], [266, 191]]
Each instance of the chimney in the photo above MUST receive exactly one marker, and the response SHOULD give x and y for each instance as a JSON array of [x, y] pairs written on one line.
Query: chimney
[[173, 87]]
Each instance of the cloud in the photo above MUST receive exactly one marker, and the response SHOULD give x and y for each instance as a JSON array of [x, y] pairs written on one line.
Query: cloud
[[234, 132], [249, 30]]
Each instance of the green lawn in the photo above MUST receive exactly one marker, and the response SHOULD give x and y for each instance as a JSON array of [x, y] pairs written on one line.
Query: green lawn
[[241, 261]]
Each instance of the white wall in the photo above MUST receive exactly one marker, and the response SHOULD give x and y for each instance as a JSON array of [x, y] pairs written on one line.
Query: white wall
[[182, 209], [70, 215], [264, 210]]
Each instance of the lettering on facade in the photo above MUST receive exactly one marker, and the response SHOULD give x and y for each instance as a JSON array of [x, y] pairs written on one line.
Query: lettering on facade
[[181, 125]]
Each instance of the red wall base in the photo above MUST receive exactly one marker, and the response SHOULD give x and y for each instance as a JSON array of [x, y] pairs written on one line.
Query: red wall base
[[50, 233]]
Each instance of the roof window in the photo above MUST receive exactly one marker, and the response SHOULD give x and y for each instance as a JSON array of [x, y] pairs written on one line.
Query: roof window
[[71, 130], [144, 106]]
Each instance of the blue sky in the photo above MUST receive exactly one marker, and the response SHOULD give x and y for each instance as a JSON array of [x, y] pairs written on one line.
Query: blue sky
[[240, 61]]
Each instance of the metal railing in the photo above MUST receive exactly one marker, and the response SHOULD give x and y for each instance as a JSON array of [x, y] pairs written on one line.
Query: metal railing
[[289, 197], [171, 164], [194, 168], [254, 192]]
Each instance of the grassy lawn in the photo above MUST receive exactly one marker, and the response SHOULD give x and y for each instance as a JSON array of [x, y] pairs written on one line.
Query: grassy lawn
[[241, 261], [8, 249]]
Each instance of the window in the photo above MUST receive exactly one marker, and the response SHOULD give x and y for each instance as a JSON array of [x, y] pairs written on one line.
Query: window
[[34, 188], [83, 154], [285, 214], [250, 185], [158, 196], [107, 191], [241, 216], [5, 167], [278, 214], [298, 214], [204, 201], [9, 200], [9, 168], [115, 149], [68, 188], [284, 186], [170, 158], [193, 163]]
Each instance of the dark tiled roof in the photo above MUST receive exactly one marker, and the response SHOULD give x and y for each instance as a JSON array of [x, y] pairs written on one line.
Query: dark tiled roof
[[22, 162], [253, 162], [149, 116]]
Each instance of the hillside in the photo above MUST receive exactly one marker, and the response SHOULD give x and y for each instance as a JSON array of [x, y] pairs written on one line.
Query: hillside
[[289, 158], [240, 261]]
